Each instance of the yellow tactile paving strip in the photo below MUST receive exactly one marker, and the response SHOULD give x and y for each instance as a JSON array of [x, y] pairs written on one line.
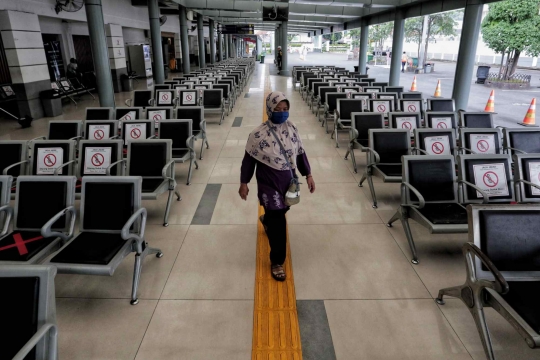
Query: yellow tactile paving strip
[[276, 335]]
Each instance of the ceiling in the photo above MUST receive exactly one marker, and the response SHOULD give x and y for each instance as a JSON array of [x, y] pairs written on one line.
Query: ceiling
[[320, 16]]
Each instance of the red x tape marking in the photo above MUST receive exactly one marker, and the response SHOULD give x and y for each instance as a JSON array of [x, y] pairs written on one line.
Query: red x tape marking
[[20, 244]]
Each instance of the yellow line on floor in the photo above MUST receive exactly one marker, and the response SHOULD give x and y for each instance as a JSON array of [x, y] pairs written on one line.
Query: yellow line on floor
[[276, 334]]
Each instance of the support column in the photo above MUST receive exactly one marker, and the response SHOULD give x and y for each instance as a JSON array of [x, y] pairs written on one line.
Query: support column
[[362, 53], [467, 51], [397, 48], [284, 61], [220, 47], [212, 42], [227, 40], [202, 47], [155, 34], [25, 55], [184, 39], [117, 54], [96, 30]]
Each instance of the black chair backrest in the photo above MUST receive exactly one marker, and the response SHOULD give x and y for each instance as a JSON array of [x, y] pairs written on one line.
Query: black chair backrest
[[12, 152], [411, 95], [100, 130], [348, 106], [441, 120], [299, 74], [434, 178], [99, 114], [318, 85], [141, 98], [369, 80], [481, 141], [527, 141], [20, 299], [381, 84], [529, 170], [410, 105], [308, 76], [224, 87], [361, 76], [193, 113], [362, 122], [477, 120], [313, 81], [436, 142], [165, 97], [189, 97], [159, 113], [441, 105], [63, 130], [107, 206], [508, 238], [137, 130], [331, 99], [324, 90], [381, 105], [489, 172], [147, 158], [212, 98], [229, 82], [230, 78], [128, 113], [394, 89], [176, 130], [95, 158], [402, 120], [48, 155], [32, 215], [390, 145]]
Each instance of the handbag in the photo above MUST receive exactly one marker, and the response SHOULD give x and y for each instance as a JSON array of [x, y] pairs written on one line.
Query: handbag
[[292, 197]]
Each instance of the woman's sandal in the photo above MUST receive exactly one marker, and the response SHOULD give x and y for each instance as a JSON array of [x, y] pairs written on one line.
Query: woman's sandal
[[261, 219], [278, 273]]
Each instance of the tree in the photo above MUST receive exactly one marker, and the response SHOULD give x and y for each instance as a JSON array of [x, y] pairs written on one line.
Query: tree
[[333, 37], [290, 37], [441, 24], [512, 27], [354, 34], [380, 32]]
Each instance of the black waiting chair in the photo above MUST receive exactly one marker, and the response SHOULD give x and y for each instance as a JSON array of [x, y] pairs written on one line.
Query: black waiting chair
[[137, 130], [395, 89], [152, 160], [330, 106], [112, 226], [99, 113], [188, 97], [226, 96], [477, 120], [158, 113], [383, 156], [501, 260], [365, 96], [527, 177], [441, 120], [441, 104], [29, 329], [100, 129], [196, 115], [164, 97], [382, 84], [5, 196], [180, 132], [480, 141], [491, 173], [158, 87], [65, 130], [14, 159], [411, 95], [141, 98], [429, 196], [411, 105], [359, 133], [383, 106], [342, 115], [521, 141], [232, 94], [128, 113], [404, 120], [52, 157], [213, 102], [315, 94], [435, 142], [26, 244]]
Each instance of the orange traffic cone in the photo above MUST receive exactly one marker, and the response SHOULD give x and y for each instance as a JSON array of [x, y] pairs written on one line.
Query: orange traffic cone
[[530, 117], [438, 90], [490, 106], [413, 86]]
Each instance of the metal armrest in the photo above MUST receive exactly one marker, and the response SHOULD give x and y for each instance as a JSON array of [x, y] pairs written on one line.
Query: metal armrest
[[9, 213], [128, 102], [114, 137], [108, 171], [151, 102], [499, 285], [57, 170], [517, 181], [376, 154], [168, 165], [5, 172], [421, 200], [153, 137], [46, 230], [39, 138], [420, 150], [189, 143], [139, 237], [34, 340], [77, 138], [514, 149], [353, 134], [466, 149], [484, 195]]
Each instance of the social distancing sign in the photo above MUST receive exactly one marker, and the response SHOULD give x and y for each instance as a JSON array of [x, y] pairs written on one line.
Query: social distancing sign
[[534, 175], [483, 143], [200, 89], [350, 81], [372, 90], [157, 116], [437, 145], [134, 132], [491, 178], [132, 115], [381, 106], [164, 98], [48, 160], [441, 123], [406, 122], [189, 98], [364, 98], [99, 132], [349, 94], [97, 160], [411, 106]]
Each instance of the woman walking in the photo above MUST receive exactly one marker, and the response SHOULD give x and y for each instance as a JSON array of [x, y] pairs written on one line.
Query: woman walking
[[263, 153]]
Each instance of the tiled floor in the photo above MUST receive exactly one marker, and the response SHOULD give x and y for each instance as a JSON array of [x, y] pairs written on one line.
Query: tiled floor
[[197, 301]]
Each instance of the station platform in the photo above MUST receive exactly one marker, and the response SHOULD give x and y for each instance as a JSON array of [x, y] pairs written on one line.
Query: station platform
[[351, 293]]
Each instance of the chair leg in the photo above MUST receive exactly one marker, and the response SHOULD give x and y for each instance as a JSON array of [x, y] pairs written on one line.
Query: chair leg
[[372, 189], [196, 164], [480, 320], [454, 291], [395, 217], [168, 208], [202, 147], [410, 240], [353, 158], [189, 171], [364, 177], [136, 278]]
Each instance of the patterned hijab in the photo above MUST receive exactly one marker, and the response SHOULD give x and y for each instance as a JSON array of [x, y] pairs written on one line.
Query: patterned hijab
[[262, 144]]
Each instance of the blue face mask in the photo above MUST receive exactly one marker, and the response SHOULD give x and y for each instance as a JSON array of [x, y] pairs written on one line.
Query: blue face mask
[[279, 117]]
